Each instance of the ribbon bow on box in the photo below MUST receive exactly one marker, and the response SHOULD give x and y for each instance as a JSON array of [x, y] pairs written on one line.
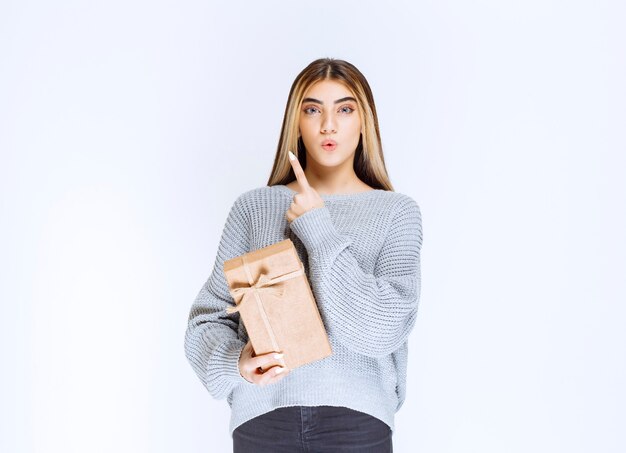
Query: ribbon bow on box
[[264, 285]]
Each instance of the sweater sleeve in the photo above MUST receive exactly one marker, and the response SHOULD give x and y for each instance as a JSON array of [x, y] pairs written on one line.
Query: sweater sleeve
[[212, 343], [371, 314]]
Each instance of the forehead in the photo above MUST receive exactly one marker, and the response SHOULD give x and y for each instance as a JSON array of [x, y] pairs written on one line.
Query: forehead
[[328, 89]]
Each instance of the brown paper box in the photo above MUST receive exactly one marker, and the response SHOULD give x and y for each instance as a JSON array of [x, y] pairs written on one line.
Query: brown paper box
[[276, 304]]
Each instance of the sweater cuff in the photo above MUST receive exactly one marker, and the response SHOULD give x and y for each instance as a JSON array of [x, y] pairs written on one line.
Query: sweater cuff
[[316, 230], [224, 364]]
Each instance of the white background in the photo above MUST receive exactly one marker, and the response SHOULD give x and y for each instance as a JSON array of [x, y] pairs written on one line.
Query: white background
[[128, 128]]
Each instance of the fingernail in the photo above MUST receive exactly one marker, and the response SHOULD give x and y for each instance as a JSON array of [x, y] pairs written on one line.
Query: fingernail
[[279, 370], [292, 156], [278, 356]]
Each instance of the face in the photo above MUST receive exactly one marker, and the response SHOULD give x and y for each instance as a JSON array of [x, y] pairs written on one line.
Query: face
[[329, 112]]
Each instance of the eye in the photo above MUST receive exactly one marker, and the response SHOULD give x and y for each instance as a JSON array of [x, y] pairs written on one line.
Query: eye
[[343, 109], [307, 110]]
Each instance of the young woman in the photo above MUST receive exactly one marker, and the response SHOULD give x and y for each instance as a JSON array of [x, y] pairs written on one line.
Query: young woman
[[360, 243]]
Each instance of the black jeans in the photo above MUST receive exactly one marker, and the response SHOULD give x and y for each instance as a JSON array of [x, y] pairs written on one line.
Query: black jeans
[[303, 429]]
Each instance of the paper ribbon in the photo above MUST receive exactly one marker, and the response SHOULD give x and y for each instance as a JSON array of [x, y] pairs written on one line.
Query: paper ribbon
[[264, 285]]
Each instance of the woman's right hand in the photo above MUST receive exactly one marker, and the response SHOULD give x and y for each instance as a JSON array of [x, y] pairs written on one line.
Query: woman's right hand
[[250, 367]]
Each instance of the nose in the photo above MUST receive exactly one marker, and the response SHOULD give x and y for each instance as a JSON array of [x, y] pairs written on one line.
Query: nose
[[328, 124]]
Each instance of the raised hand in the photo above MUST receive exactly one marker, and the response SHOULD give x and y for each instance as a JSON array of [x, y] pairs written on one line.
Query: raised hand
[[305, 200]]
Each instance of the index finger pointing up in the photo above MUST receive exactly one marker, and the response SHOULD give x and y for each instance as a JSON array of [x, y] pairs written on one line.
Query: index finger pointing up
[[297, 169]]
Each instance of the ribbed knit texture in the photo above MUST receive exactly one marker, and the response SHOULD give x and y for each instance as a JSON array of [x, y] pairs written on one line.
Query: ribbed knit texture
[[361, 254]]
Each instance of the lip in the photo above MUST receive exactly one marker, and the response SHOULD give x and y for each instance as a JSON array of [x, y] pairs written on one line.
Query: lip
[[329, 145]]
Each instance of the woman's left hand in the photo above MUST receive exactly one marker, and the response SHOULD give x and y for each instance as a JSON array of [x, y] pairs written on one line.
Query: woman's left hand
[[307, 199]]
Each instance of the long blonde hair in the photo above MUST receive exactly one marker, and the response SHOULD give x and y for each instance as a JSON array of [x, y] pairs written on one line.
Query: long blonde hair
[[369, 162]]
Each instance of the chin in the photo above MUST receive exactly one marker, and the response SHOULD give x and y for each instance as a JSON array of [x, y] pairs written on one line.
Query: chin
[[331, 161]]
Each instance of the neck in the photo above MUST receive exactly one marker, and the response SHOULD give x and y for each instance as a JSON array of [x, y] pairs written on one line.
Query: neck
[[327, 181]]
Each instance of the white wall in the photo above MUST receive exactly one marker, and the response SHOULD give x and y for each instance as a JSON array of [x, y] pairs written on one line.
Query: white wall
[[127, 129]]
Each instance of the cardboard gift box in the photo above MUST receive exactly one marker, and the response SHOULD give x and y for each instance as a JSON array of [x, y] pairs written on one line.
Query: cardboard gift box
[[274, 299]]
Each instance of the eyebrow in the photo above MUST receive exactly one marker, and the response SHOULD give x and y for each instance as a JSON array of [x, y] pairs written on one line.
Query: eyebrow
[[347, 98]]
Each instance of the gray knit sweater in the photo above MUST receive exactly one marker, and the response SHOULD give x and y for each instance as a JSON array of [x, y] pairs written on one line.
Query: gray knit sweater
[[361, 254]]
